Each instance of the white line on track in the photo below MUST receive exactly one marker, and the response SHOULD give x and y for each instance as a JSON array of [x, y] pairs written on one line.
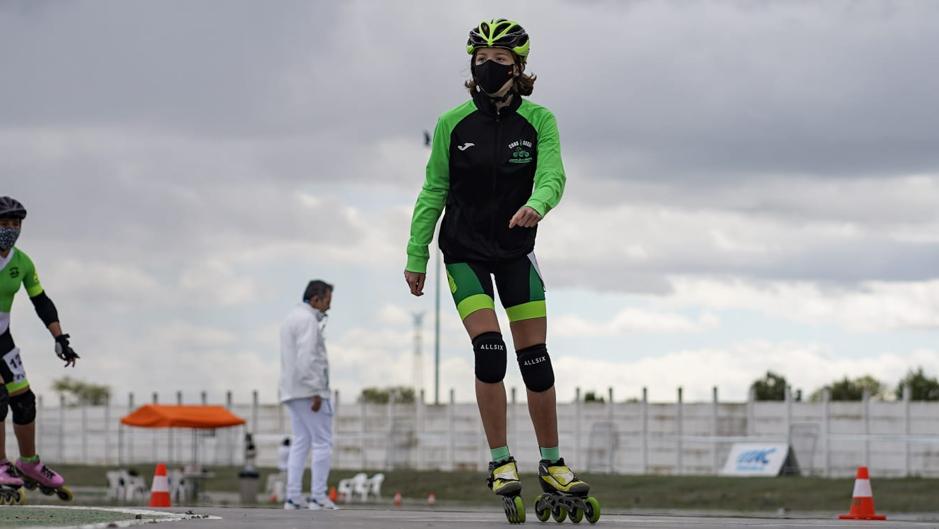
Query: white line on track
[[156, 516]]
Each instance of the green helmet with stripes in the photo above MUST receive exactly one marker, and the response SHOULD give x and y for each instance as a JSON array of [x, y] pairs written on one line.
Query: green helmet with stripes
[[499, 33]]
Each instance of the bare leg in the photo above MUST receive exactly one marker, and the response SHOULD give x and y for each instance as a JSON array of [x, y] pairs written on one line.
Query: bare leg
[[542, 406], [489, 397], [26, 438]]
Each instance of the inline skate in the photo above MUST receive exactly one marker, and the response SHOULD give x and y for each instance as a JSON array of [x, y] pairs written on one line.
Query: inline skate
[[564, 495], [503, 480], [38, 475], [11, 486]]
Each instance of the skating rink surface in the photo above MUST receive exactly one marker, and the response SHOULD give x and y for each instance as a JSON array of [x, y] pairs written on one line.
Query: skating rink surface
[[487, 519]]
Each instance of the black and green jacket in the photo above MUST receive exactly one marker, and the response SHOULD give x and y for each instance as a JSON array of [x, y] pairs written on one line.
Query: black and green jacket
[[484, 166]]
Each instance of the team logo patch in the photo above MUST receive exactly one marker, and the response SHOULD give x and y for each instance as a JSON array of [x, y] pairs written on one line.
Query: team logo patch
[[521, 151], [14, 272]]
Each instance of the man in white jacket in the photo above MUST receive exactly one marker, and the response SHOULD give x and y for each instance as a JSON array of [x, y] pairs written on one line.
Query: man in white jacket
[[304, 389]]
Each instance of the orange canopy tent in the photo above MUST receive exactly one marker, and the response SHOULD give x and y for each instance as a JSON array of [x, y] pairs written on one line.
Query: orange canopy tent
[[182, 416]]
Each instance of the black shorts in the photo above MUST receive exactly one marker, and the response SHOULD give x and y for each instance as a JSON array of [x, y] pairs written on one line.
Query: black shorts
[[521, 288]]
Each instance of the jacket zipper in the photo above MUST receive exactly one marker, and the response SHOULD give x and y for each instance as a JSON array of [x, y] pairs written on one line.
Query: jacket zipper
[[495, 169]]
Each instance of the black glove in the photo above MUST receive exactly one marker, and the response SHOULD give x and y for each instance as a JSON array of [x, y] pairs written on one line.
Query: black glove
[[64, 351]]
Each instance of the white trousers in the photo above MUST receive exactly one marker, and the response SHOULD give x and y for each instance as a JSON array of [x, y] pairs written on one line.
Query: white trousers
[[310, 430]]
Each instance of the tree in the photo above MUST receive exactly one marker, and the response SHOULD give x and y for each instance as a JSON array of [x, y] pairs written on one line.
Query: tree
[[848, 389], [921, 386], [78, 392], [401, 394], [770, 387], [591, 396]]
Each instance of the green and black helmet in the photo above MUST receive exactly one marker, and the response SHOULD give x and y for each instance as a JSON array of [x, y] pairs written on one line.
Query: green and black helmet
[[499, 33], [10, 208]]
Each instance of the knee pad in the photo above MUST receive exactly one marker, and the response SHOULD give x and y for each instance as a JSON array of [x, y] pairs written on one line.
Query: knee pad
[[489, 350], [23, 407], [535, 365], [4, 402]]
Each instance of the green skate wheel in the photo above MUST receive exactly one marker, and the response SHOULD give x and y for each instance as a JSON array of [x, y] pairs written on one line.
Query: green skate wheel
[[593, 510], [519, 509], [559, 513], [542, 512], [577, 515], [64, 494], [514, 509]]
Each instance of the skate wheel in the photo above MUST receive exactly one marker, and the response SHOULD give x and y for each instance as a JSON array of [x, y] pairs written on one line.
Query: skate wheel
[[592, 510], [514, 509], [577, 515], [559, 513], [542, 511], [20, 497], [64, 494]]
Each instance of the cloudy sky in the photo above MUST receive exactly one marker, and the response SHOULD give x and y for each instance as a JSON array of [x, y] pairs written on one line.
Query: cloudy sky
[[751, 186]]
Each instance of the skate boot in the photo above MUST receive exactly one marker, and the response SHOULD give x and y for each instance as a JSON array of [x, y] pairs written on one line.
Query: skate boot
[[564, 495], [503, 480], [11, 487], [47, 480]]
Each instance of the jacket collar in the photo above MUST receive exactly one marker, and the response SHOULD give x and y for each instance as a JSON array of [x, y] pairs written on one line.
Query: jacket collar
[[487, 107], [315, 312]]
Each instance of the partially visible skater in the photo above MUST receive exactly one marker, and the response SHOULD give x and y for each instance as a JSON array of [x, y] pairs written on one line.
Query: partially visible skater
[[16, 397], [304, 389], [495, 171]]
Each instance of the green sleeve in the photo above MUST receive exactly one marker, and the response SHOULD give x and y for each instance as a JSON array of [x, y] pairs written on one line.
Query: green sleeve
[[431, 200], [31, 278], [549, 174]]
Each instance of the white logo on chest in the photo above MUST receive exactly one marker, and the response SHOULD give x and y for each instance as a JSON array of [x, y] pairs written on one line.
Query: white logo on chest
[[465, 146]]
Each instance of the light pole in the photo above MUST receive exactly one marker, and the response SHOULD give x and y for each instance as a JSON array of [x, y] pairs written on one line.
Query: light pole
[[428, 144]]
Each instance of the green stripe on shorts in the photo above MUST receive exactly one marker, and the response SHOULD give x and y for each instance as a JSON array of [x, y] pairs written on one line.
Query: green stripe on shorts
[[527, 311], [19, 385], [474, 303]]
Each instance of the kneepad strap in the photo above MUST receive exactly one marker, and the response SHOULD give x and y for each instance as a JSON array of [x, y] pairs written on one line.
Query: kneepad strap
[[489, 350], [535, 365], [23, 407]]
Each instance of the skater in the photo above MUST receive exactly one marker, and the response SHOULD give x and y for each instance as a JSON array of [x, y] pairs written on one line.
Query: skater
[[16, 397], [495, 166], [304, 389]]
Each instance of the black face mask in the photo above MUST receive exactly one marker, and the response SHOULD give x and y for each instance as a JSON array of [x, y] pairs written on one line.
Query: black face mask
[[490, 75]]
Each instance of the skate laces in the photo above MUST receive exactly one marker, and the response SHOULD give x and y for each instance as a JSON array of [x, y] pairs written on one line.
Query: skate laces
[[46, 473]]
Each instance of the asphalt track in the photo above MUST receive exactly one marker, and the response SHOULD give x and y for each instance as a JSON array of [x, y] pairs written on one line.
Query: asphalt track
[[485, 519]]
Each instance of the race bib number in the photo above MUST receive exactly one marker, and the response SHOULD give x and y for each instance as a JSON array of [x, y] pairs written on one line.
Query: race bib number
[[15, 365]]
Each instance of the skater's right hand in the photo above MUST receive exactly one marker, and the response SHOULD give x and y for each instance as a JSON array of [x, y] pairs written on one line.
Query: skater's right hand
[[415, 281], [317, 403]]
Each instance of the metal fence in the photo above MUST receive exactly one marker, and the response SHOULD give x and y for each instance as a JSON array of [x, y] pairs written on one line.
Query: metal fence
[[894, 438]]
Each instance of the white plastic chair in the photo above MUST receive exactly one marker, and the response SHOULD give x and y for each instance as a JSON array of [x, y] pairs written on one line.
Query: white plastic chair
[[374, 485], [135, 487], [347, 488], [276, 486], [179, 487], [116, 485]]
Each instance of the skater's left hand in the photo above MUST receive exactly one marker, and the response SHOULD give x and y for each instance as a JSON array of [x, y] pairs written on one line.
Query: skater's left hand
[[64, 351], [317, 403], [525, 217]]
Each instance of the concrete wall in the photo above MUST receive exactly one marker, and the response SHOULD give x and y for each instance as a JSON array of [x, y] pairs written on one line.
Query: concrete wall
[[829, 438]]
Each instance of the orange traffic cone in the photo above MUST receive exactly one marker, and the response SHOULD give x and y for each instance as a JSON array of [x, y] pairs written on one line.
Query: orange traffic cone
[[397, 500], [333, 495], [431, 499], [160, 490], [862, 503]]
